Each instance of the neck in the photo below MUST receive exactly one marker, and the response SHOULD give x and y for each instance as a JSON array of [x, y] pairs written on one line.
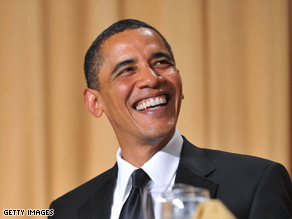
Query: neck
[[138, 153]]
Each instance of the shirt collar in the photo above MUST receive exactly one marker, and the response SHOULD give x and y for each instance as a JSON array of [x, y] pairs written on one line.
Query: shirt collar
[[161, 167]]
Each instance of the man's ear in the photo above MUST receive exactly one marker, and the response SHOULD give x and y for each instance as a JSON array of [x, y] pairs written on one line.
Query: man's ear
[[93, 102], [183, 96]]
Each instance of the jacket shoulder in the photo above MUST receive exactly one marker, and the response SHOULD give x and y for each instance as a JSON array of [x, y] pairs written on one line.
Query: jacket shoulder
[[247, 185], [229, 161], [68, 204]]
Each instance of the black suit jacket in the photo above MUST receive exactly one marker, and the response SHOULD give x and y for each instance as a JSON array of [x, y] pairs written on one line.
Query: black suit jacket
[[250, 187]]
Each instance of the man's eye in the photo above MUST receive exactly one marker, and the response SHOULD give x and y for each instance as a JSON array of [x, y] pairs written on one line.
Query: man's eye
[[126, 70], [163, 63]]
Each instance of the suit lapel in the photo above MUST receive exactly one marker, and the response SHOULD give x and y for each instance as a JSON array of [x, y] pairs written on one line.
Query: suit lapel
[[99, 205], [194, 168]]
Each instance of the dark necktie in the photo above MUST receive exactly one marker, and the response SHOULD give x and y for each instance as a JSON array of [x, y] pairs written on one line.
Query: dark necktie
[[132, 208]]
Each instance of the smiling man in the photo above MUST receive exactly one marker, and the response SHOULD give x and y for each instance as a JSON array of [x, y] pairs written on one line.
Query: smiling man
[[132, 78], [140, 92]]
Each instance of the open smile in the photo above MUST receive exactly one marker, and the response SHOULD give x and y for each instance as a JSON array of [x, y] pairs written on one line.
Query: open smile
[[152, 102]]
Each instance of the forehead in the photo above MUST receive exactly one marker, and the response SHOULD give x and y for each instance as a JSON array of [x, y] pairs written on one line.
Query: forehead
[[132, 42]]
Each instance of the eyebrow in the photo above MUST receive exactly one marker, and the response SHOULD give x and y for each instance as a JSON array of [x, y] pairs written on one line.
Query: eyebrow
[[121, 64], [161, 54]]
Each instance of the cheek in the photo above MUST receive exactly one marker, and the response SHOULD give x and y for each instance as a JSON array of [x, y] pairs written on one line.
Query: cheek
[[122, 89], [175, 79]]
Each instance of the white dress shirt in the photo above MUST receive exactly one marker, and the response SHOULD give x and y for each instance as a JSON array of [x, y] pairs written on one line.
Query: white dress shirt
[[161, 168]]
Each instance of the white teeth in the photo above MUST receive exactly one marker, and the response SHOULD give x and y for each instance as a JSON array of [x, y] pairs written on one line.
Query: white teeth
[[148, 103], [157, 100], [151, 102]]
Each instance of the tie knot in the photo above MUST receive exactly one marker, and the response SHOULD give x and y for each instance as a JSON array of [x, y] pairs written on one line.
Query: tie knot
[[139, 178]]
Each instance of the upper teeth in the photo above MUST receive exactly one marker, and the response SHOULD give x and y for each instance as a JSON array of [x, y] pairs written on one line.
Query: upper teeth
[[151, 102]]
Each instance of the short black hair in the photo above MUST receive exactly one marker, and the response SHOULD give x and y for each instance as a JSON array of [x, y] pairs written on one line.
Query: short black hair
[[94, 58]]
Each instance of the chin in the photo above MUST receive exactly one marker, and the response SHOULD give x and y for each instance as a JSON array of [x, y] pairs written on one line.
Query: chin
[[159, 133]]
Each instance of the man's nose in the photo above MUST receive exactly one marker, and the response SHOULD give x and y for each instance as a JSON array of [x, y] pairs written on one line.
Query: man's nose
[[148, 78]]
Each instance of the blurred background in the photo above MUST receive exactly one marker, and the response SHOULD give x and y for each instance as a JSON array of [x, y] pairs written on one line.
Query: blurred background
[[234, 58]]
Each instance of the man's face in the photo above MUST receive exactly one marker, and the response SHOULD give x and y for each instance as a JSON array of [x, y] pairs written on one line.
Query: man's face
[[140, 87]]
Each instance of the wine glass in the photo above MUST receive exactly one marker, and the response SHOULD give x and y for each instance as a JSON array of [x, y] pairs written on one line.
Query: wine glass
[[152, 201], [180, 202]]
